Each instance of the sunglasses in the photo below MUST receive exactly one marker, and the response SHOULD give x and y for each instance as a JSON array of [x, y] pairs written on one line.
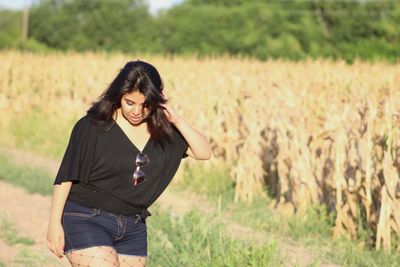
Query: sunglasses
[[139, 176]]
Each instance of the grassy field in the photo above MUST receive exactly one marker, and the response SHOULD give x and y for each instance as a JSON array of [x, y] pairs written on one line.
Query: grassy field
[[302, 150], [190, 240], [312, 229]]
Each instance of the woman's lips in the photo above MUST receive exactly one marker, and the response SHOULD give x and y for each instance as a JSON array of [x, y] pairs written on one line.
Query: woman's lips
[[135, 118]]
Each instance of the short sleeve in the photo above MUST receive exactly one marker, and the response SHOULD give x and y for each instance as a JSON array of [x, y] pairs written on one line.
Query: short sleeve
[[180, 144], [79, 154]]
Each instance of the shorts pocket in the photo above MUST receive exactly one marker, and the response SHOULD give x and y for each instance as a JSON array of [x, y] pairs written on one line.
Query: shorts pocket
[[74, 209]]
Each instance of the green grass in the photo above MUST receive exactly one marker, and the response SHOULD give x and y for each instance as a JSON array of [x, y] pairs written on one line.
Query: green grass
[[186, 241], [37, 131], [212, 183], [191, 240], [314, 222], [29, 258], [32, 179], [9, 235], [311, 229]]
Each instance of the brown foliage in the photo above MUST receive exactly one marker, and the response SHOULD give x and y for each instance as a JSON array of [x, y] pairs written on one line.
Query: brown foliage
[[315, 132]]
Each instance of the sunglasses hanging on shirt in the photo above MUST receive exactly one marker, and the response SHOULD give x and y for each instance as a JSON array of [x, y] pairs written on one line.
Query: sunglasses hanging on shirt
[[139, 176]]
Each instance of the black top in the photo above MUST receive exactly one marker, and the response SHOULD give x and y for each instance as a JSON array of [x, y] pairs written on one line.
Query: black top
[[101, 165]]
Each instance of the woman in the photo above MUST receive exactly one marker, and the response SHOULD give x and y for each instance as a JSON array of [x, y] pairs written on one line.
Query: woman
[[120, 157]]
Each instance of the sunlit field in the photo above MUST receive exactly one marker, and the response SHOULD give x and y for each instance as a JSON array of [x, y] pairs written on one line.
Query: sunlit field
[[306, 134]]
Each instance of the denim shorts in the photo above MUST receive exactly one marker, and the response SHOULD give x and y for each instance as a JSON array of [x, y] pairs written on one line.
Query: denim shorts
[[86, 227]]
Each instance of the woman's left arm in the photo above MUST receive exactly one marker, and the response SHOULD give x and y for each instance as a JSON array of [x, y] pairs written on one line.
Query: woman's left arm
[[199, 147]]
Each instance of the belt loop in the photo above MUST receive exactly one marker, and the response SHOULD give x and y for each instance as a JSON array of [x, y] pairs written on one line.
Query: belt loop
[[137, 218]]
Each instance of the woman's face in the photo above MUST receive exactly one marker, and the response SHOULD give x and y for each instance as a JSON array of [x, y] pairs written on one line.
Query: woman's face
[[133, 107]]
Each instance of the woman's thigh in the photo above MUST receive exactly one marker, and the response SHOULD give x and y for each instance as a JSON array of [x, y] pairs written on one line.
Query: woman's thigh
[[94, 256], [134, 261]]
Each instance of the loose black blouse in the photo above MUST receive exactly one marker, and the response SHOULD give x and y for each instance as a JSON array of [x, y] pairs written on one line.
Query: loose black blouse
[[101, 164]]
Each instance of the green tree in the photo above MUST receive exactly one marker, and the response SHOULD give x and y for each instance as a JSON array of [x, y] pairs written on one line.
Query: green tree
[[95, 25], [293, 29], [10, 25]]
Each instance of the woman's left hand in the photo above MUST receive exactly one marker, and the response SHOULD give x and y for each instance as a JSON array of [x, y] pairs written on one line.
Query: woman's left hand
[[170, 112]]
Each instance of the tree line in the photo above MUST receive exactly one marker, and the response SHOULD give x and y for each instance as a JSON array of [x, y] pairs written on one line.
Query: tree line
[[292, 29]]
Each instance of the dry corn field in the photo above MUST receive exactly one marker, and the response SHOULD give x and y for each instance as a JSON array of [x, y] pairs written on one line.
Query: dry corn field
[[315, 132]]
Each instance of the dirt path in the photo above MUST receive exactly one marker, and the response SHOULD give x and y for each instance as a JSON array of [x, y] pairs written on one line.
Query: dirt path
[[29, 214]]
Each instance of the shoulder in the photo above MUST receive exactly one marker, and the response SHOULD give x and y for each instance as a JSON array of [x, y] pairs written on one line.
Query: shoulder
[[85, 120], [84, 124]]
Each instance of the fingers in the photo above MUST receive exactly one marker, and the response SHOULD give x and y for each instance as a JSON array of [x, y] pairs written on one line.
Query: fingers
[[165, 95], [60, 247], [53, 249], [56, 249], [165, 106]]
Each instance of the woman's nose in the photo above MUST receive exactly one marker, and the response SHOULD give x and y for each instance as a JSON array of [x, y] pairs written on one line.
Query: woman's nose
[[137, 110]]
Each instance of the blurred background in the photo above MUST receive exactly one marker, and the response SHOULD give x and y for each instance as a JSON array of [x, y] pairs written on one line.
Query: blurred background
[[300, 100], [259, 29]]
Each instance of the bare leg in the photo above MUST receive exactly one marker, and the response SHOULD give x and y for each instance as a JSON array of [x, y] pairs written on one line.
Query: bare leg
[[93, 257], [132, 261]]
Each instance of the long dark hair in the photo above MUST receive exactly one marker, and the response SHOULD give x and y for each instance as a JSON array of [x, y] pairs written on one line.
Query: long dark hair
[[135, 76]]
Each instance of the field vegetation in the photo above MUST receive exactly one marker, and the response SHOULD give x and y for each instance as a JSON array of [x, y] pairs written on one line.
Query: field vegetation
[[313, 135]]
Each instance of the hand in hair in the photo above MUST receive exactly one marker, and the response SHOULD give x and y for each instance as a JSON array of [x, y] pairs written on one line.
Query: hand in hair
[[170, 112]]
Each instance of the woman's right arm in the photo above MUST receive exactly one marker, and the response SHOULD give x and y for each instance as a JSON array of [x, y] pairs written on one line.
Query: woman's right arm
[[55, 232]]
